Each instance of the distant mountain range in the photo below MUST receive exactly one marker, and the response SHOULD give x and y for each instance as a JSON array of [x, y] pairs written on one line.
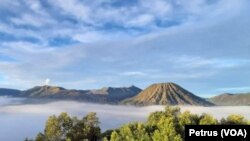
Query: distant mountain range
[[229, 99], [155, 94], [110, 95], [9, 92]]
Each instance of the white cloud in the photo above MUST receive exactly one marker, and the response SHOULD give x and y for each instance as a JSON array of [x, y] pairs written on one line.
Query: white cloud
[[33, 20], [74, 7], [159, 8], [143, 14], [19, 32], [199, 62], [139, 15], [33, 63], [141, 20], [89, 37], [133, 73]]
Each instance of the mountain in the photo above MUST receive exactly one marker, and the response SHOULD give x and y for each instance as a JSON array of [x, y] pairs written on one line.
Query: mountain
[[166, 94], [116, 94], [104, 95], [229, 99], [156, 94], [9, 92], [58, 93], [41, 91]]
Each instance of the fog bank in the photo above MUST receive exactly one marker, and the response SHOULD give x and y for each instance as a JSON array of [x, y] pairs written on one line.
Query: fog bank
[[25, 120]]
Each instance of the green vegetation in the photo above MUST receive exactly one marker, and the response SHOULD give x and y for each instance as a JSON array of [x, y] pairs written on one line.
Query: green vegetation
[[167, 125], [65, 128]]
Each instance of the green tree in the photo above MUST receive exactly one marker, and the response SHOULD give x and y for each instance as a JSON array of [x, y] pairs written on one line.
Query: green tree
[[66, 124], [77, 131], [234, 120], [40, 137], [131, 132], [207, 119], [115, 136], [57, 128], [107, 134], [165, 125], [65, 128], [186, 118], [53, 129], [27, 139], [166, 130], [85, 129], [92, 126]]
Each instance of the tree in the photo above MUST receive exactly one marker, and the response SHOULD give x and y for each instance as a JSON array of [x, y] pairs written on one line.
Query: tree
[[107, 134], [234, 120], [40, 137], [92, 127], [167, 130], [53, 129], [66, 124], [115, 136], [91, 120], [207, 119], [27, 139], [85, 129], [186, 118], [131, 132], [77, 131], [57, 128], [66, 128]]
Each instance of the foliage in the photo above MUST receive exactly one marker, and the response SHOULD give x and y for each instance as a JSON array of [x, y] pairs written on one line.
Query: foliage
[[207, 119], [107, 134], [167, 125], [66, 128], [234, 120]]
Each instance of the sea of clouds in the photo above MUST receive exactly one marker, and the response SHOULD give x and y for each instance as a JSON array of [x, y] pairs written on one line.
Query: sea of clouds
[[20, 120]]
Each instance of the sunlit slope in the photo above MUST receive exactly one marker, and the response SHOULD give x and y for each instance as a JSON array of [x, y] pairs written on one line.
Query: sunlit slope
[[166, 94]]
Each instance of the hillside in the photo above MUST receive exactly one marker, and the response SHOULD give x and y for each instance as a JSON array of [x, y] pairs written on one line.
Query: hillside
[[9, 92], [166, 94], [228, 99], [116, 94], [104, 95]]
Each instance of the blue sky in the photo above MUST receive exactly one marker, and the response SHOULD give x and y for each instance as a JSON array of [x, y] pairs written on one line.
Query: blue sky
[[203, 45]]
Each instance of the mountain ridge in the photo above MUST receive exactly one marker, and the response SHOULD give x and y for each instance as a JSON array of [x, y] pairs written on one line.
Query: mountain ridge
[[9, 92], [231, 99], [104, 95], [167, 93]]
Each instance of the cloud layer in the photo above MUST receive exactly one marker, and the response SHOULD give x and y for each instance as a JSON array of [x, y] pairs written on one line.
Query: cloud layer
[[32, 117]]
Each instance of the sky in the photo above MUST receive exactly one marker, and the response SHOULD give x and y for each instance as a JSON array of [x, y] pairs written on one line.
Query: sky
[[202, 45]]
